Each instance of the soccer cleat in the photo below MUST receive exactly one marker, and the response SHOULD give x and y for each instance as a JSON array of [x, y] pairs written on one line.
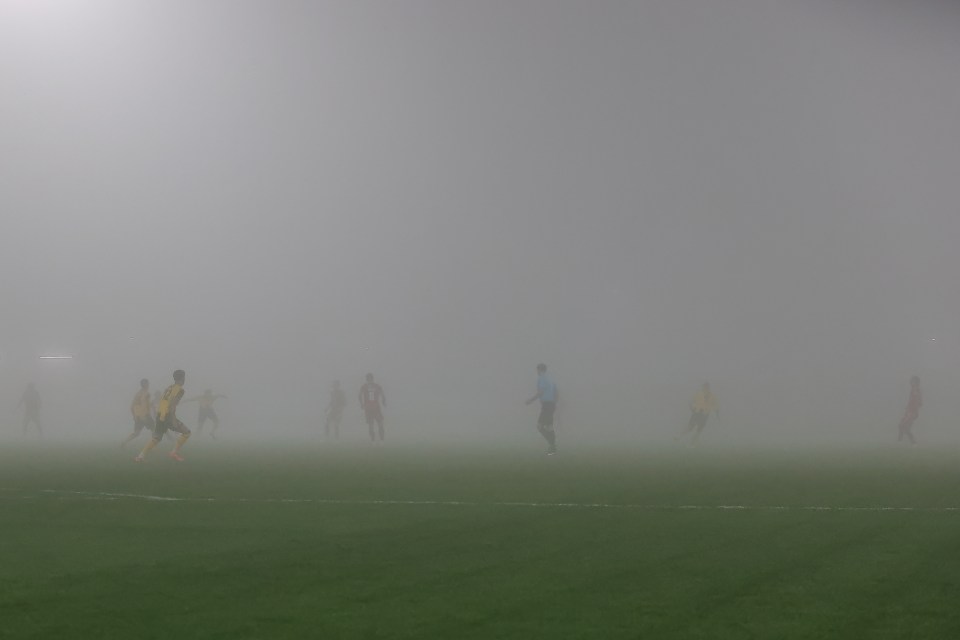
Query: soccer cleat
[[138, 458], [176, 456]]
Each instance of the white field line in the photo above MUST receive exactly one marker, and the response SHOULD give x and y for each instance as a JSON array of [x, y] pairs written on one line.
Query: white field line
[[103, 495]]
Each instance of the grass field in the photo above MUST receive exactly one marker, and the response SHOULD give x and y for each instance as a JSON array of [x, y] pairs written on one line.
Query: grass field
[[395, 542]]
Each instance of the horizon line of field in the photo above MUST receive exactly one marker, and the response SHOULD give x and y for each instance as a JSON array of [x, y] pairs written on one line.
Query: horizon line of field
[[113, 496]]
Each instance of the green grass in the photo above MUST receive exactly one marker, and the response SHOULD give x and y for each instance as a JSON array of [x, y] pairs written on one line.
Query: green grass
[[247, 565]]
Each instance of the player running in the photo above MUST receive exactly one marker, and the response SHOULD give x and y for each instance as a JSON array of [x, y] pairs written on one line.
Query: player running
[[167, 419], [338, 402], [548, 395], [30, 400], [371, 397], [704, 403], [206, 411], [912, 412], [141, 410]]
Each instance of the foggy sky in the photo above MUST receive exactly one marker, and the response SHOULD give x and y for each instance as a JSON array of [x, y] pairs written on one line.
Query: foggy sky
[[644, 195]]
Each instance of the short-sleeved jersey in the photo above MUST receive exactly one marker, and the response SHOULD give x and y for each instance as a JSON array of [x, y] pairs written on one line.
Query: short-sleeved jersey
[[371, 394], [206, 400], [141, 404], [546, 388], [167, 407], [704, 402]]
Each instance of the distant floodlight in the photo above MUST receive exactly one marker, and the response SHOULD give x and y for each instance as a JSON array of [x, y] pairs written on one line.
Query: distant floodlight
[[56, 357]]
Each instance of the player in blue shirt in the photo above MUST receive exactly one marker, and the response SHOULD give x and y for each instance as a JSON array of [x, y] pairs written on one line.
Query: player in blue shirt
[[547, 395]]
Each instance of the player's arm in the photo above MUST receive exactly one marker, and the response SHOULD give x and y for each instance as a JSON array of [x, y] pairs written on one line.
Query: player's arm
[[133, 406]]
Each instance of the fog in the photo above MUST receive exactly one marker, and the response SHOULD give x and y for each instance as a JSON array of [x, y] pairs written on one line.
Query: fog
[[645, 196]]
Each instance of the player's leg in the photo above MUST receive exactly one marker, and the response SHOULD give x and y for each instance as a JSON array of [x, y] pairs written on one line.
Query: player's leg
[[159, 429], [545, 426], [137, 428], [902, 428], [184, 432], [906, 427], [371, 419], [336, 425], [380, 425], [701, 422], [216, 423], [550, 436], [35, 419]]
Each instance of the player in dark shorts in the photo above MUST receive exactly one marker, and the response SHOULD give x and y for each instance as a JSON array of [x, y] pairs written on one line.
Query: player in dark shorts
[[371, 398], [548, 396], [912, 413], [703, 404], [31, 408], [141, 410], [338, 402], [167, 419], [206, 411]]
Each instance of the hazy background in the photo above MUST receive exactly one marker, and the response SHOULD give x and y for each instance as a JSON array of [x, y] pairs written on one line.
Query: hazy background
[[644, 195]]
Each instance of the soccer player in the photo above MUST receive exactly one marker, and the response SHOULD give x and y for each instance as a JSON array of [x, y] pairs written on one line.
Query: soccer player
[[371, 397], [30, 400], [167, 419], [548, 395], [704, 403], [338, 401], [912, 412], [140, 408], [206, 411], [153, 410]]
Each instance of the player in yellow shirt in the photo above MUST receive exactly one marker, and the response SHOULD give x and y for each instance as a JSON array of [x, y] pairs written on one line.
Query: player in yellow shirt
[[206, 411], [141, 410], [167, 419], [704, 403]]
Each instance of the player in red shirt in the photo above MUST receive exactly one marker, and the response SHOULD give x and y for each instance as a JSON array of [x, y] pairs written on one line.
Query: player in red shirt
[[371, 397], [912, 412]]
